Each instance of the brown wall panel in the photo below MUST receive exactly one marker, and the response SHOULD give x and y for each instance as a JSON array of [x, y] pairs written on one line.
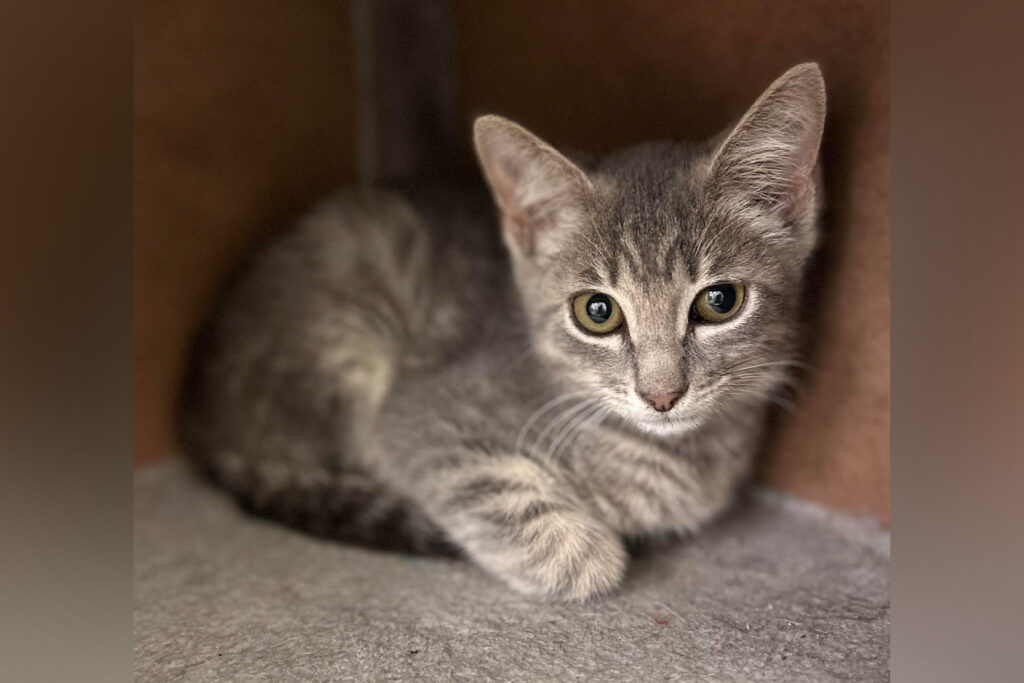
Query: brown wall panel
[[244, 114], [595, 75]]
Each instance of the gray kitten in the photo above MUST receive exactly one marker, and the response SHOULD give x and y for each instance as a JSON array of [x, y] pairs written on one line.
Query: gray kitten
[[389, 373]]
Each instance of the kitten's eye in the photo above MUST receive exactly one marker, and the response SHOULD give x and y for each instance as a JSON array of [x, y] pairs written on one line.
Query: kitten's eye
[[597, 313], [718, 303]]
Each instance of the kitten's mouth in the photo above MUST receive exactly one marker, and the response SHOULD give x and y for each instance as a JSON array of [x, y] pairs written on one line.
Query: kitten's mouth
[[675, 421], [666, 427]]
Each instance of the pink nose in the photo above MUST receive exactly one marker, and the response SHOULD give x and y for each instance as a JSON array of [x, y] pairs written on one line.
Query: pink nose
[[662, 402]]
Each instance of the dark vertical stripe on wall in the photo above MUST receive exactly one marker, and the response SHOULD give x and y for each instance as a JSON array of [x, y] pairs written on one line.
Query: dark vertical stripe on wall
[[405, 74]]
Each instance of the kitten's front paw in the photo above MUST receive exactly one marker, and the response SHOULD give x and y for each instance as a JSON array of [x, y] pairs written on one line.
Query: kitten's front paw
[[567, 556]]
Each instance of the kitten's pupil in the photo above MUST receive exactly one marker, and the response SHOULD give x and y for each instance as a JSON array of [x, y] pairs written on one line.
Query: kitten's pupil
[[599, 308], [722, 298]]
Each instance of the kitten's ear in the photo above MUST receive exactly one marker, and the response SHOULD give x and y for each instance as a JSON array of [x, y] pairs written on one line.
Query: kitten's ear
[[541, 194], [768, 161]]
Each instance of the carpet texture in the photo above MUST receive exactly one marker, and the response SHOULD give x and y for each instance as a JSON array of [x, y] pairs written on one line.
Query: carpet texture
[[777, 590]]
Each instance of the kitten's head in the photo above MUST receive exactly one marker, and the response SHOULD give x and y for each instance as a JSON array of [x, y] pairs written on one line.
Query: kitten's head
[[665, 278]]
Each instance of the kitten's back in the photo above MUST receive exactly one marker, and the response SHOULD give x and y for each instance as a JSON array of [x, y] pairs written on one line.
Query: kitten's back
[[288, 375]]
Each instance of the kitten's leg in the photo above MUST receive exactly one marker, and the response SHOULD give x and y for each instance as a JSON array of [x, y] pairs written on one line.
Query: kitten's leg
[[521, 523]]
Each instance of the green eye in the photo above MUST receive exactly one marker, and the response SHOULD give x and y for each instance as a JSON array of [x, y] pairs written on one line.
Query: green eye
[[718, 303], [597, 313]]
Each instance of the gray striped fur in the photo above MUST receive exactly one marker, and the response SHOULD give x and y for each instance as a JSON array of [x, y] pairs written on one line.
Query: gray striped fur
[[390, 373]]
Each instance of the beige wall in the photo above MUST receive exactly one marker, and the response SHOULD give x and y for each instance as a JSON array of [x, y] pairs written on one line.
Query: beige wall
[[245, 112]]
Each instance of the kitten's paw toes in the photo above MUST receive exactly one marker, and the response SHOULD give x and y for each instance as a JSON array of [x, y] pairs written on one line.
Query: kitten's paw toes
[[571, 557]]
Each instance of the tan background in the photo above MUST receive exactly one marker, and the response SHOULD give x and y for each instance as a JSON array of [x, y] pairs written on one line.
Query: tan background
[[245, 112]]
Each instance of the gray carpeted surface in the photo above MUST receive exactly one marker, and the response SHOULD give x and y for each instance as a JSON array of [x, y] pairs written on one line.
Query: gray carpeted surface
[[778, 590]]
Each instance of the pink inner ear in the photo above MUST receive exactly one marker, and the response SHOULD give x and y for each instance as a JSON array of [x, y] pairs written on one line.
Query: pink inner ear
[[522, 228], [802, 189], [517, 221]]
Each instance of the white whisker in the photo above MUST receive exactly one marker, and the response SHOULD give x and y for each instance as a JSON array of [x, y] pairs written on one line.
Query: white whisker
[[562, 418], [776, 363], [537, 414], [573, 428]]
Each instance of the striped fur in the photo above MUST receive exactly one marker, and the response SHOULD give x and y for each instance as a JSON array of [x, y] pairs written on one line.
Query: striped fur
[[403, 370]]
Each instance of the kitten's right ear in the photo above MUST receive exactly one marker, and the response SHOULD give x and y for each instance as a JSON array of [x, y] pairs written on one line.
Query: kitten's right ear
[[540, 193]]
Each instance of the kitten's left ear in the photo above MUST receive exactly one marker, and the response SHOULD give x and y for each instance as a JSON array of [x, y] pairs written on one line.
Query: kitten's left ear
[[768, 161], [541, 194]]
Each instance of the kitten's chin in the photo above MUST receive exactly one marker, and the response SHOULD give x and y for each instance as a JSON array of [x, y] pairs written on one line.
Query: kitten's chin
[[660, 424]]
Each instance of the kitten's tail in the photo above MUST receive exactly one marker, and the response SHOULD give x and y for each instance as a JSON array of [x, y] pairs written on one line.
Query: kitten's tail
[[341, 504], [345, 506]]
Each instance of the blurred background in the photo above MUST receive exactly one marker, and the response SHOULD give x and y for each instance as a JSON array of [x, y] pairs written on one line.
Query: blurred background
[[248, 111]]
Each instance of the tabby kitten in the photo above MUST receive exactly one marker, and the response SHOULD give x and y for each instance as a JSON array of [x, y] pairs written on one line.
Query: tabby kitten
[[389, 373]]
